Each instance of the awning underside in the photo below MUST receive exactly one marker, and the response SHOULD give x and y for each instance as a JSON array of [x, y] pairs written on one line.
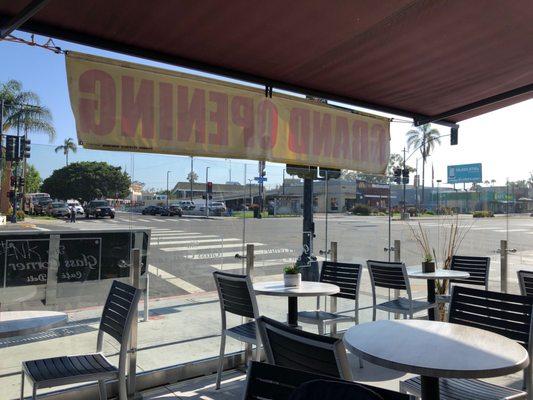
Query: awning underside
[[428, 60]]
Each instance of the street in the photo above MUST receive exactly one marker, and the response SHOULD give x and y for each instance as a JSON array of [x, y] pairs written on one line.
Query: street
[[185, 251]]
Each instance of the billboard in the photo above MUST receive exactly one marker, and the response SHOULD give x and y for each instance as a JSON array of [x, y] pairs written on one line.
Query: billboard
[[465, 173], [123, 106]]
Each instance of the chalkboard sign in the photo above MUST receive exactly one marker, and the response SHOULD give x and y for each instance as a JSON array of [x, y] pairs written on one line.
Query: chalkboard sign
[[83, 256]]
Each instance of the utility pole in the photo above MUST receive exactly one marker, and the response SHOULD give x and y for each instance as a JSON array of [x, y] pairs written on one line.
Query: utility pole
[[206, 194], [404, 183], [190, 176], [283, 182], [168, 194]]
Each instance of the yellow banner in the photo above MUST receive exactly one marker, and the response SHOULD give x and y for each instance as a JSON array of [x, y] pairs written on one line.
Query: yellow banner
[[130, 107]]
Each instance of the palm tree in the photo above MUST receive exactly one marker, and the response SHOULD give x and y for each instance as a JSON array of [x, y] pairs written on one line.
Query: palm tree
[[68, 145], [423, 138]]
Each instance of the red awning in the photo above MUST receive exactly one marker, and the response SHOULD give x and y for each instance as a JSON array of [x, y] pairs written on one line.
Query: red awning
[[426, 59]]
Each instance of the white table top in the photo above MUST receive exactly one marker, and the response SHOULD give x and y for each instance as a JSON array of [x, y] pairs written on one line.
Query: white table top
[[438, 274], [306, 289], [436, 349]]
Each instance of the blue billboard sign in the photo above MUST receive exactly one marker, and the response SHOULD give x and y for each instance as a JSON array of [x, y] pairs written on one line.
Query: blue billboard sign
[[465, 173]]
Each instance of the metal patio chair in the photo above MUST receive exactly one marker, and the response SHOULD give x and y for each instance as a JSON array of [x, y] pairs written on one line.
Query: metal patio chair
[[236, 295], [509, 315], [347, 277], [119, 310], [272, 382], [393, 275], [293, 348], [525, 279], [477, 267]]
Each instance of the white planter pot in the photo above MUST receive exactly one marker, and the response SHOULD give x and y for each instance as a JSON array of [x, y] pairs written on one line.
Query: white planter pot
[[292, 280]]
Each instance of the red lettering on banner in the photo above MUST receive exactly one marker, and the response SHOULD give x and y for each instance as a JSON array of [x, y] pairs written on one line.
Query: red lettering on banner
[[359, 129], [137, 107], [375, 144], [97, 116], [342, 147], [220, 118], [383, 143], [267, 121], [166, 108], [191, 116], [242, 115], [321, 134], [299, 130]]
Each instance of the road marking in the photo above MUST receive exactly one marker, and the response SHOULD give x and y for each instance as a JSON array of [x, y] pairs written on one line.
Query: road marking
[[194, 248], [182, 236], [215, 255], [184, 219], [509, 230], [483, 228], [260, 263], [191, 240], [217, 240], [46, 229], [182, 284], [144, 220]]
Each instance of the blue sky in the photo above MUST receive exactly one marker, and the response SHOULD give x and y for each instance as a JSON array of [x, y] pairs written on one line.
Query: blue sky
[[501, 140]]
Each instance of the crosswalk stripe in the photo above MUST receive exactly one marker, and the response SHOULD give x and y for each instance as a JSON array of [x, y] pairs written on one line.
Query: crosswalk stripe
[[191, 240], [509, 230], [144, 220], [168, 277], [184, 236], [215, 239], [231, 254], [41, 229], [257, 263], [173, 232], [185, 219], [211, 247]]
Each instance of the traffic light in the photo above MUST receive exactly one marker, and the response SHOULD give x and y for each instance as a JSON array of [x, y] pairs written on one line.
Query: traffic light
[[22, 182], [405, 175], [11, 148], [454, 137], [13, 181], [209, 187], [397, 175], [25, 148], [329, 173]]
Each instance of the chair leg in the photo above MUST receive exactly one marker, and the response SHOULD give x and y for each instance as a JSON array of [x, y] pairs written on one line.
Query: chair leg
[[221, 359], [102, 389], [360, 362], [374, 314], [122, 389], [34, 393], [257, 356], [22, 386], [320, 328]]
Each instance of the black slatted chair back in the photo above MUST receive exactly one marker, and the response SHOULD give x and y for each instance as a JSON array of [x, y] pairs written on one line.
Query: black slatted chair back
[[509, 315], [305, 351], [236, 294], [272, 382], [477, 267], [525, 278], [390, 275], [345, 276], [119, 306]]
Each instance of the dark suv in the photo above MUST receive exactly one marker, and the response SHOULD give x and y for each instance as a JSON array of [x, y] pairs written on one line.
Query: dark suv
[[99, 208]]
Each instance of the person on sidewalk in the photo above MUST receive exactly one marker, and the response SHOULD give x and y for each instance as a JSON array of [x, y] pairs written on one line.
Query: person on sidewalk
[[72, 214]]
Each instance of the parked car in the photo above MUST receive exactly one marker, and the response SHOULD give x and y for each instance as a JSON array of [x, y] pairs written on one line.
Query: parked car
[[99, 208], [41, 206], [187, 205], [58, 209], [175, 209], [152, 210], [77, 206]]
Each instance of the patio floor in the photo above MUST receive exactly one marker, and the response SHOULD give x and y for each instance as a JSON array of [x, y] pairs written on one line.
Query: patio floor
[[233, 383]]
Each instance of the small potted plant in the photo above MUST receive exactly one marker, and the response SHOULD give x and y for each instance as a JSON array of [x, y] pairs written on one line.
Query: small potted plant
[[292, 276]]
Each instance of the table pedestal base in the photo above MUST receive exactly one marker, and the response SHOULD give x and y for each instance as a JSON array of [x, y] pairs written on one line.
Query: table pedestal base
[[431, 299], [430, 388], [292, 317]]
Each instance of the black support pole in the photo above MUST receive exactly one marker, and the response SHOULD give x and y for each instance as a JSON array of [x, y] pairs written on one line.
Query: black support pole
[[308, 225]]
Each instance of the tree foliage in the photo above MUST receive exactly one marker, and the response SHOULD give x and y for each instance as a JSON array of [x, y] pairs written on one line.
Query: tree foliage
[[33, 179], [67, 146], [86, 181]]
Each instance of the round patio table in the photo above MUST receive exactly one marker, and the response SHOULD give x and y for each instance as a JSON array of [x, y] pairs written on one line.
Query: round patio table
[[306, 289], [431, 277], [15, 323], [435, 350]]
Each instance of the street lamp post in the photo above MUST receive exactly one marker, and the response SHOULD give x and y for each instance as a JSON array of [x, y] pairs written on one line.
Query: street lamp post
[[438, 196], [168, 194], [190, 177], [283, 183]]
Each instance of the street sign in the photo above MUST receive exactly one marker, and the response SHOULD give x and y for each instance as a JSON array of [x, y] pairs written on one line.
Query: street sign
[[260, 179], [465, 173]]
